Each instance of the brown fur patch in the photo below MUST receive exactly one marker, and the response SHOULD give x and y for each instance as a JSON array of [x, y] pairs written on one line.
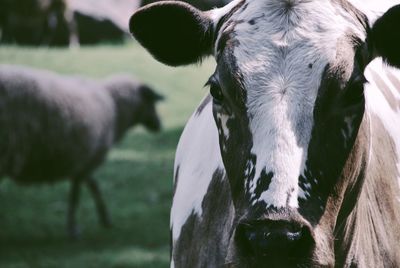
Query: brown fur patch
[[371, 233]]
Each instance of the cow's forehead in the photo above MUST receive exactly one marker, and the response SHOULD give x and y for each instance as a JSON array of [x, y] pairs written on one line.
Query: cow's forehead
[[262, 24], [283, 46]]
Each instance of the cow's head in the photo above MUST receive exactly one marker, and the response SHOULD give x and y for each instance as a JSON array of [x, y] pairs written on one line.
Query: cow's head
[[288, 103]]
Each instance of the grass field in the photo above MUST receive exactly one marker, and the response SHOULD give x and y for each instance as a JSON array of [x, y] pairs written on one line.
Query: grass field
[[136, 180]]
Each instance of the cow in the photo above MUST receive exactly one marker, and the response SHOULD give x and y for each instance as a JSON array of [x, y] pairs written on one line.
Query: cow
[[292, 160]]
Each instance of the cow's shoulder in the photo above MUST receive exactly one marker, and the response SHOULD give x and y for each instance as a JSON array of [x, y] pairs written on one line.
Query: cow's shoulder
[[197, 158], [198, 172]]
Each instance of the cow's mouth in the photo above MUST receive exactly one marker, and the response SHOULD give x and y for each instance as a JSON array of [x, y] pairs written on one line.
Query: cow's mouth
[[273, 262]]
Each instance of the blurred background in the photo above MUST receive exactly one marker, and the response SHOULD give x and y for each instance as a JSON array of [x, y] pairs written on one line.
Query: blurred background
[[90, 38]]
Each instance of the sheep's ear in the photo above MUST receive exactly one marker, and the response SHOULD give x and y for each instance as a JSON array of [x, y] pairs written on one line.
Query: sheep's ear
[[385, 36], [150, 94], [175, 33]]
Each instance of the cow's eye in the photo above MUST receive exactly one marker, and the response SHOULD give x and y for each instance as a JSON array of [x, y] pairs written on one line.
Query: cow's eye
[[215, 90]]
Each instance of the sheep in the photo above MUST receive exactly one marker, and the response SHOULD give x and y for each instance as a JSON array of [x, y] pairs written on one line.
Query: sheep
[[55, 127]]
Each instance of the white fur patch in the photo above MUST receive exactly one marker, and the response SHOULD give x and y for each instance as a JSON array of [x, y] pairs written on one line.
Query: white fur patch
[[273, 56], [378, 104], [198, 157], [217, 13]]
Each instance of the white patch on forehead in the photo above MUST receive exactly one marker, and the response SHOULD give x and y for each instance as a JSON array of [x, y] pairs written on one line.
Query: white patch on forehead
[[379, 105], [281, 57], [198, 157]]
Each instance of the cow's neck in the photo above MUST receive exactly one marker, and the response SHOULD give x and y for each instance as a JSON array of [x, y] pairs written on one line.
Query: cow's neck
[[365, 233]]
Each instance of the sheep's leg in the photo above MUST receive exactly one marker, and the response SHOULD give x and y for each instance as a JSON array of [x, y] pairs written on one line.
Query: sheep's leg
[[98, 199], [73, 202]]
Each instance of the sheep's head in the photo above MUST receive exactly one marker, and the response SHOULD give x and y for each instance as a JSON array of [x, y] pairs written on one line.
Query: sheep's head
[[135, 104], [148, 114]]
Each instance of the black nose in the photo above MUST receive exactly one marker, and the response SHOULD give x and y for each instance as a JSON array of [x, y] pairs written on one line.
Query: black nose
[[271, 238]]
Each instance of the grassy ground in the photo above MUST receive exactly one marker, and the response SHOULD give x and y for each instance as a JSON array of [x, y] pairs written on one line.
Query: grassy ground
[[136, 179]]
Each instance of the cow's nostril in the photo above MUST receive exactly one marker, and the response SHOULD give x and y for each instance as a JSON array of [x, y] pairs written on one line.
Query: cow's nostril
[[266, 238]]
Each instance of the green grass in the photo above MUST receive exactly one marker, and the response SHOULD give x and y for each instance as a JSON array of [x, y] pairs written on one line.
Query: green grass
[[136, 179]]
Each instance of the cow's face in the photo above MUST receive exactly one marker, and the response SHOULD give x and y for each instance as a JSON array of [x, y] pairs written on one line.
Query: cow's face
[[288, 103]]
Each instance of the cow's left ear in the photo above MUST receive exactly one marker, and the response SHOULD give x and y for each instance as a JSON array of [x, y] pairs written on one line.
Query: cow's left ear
[[174, 32], [385, 36]]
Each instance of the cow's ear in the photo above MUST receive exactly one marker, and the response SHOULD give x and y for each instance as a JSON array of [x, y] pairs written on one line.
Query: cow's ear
[[385, 36], [175, 33]]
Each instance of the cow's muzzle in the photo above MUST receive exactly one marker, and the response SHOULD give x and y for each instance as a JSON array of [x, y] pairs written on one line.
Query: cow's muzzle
[[274, 239]]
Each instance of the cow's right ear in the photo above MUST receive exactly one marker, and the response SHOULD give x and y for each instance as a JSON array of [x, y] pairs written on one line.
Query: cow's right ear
[[175, 33], [385, 35]]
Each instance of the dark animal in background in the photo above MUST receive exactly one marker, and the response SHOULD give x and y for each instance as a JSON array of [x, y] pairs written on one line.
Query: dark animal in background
[[36, 22], [55, 127], [56, 23], [72, 22], [92, 30], [293, 159]]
